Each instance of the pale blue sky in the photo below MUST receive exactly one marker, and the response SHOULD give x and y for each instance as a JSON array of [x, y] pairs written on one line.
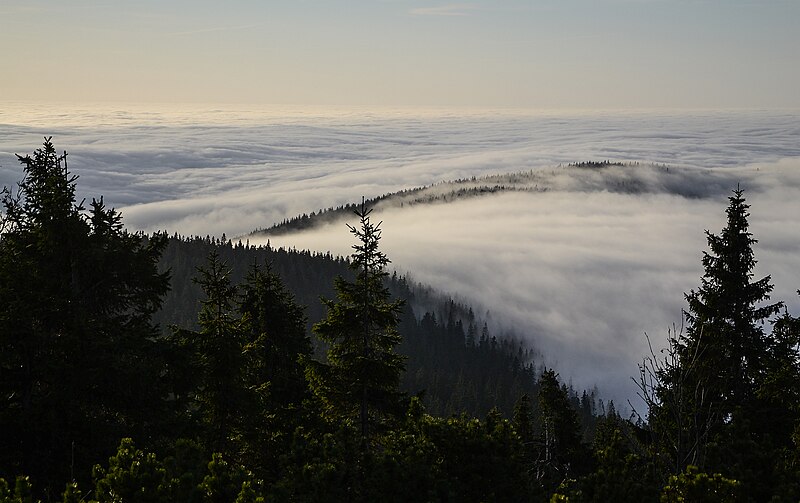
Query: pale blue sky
[[511, 53]]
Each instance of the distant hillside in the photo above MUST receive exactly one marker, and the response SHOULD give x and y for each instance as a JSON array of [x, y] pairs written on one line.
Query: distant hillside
[[591, 176]]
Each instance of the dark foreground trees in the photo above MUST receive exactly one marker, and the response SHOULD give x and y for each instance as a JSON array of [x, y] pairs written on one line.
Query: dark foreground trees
[[79, 363], [224, 412], [724, 399]]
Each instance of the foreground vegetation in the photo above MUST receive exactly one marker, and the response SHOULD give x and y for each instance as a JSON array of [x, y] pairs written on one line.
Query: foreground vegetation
[[98, 404]]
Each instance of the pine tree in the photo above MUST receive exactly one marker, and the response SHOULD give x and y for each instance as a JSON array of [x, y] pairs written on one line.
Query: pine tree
[[219, 390], [714, 400], [725, 315], [80, 365], [360, 381], [275, 342], [561, 454]]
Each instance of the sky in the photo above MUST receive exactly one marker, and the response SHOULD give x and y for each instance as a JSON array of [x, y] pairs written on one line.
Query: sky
[[542, 54]]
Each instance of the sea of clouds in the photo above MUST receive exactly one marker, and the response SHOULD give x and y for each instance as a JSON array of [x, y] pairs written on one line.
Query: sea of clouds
[[581, 271]]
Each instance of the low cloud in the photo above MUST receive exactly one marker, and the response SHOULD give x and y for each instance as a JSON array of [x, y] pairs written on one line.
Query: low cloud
[[268, 165], [581, 275]]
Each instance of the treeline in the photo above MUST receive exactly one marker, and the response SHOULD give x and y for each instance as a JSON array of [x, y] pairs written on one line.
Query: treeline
[[523, 181], [328, 215], [99, 404], [597, 164]]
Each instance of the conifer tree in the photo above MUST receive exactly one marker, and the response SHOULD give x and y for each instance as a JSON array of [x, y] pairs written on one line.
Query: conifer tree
[[80, 365], [361, 378], [561, 453], [218, 362], [719, 398], [721, 357], [275, 341], [725, 315], [276, 338], [522, 421]]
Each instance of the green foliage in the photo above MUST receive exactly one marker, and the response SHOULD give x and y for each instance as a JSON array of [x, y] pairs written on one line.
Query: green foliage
[[81, 366], [240, 374], [132, 476], [624, 473], [522, 422], [322, 467], [725, 317], [228, 482], [22, 493], [72, 494], [274, 328], [456, 377], [218, 345], [422, 458], [695, 486], [725, 396]]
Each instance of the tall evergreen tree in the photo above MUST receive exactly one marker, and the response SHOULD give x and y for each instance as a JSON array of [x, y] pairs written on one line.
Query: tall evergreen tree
[[275, 333], [561, 453], [522, 421], [726, 314], [219, 390], [275, 343], [80, 365], [723, 353], [361, 378], [719, 398]]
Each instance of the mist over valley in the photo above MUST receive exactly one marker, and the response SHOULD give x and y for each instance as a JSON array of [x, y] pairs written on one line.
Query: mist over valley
[[580, 260]]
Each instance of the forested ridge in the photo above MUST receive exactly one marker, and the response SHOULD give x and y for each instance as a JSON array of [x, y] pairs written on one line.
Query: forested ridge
[[156, 368], [587, 176]]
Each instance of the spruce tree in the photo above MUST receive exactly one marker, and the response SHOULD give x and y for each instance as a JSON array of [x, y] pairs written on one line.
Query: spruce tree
[[218, 364], [561, 453], [275, 336], [725, 316], [275, 341], [715, 396], [359, 383], [522, 421], [80, 364]]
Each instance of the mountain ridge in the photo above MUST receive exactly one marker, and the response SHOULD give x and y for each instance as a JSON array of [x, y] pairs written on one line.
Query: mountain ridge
[[629, 177]]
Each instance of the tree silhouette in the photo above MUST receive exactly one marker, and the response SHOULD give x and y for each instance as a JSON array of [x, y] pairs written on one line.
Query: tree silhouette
[[80, 365], [361, 378]]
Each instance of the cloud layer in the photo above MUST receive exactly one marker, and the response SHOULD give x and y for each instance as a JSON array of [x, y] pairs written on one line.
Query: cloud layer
[[228, 170], [581, 271], [582, 275]]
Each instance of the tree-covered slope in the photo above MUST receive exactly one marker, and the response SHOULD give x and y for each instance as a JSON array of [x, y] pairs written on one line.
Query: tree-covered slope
[[454, 359]]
